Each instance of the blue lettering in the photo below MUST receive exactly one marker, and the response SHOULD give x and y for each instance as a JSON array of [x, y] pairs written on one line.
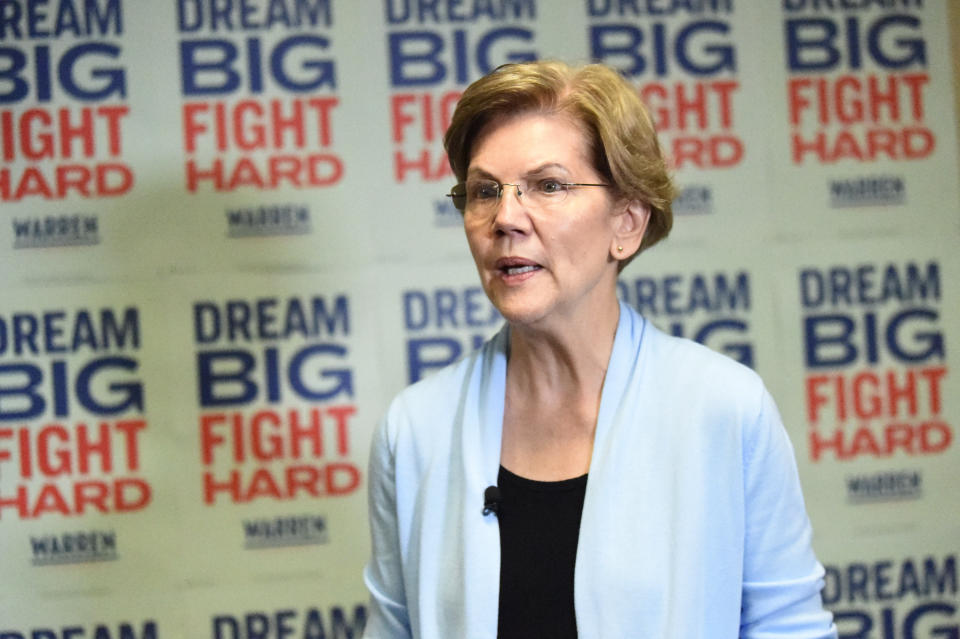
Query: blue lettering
[[258, 626], [863, 624], [830, 333], [27, 401], [322, 71], [911, 621], [740, 351], [722, 55], [222, 622], [97, 20], [103, 82], [911, 50], [858, 285], [211, 66], [130, 393], [214, 381], [229, 377], [413, 58], [812, 43], [281, 624], [883, 624], [625, 43], [343, 629], [206, 322], [430, 353], [214, 76], [270, 319], [477, 307], [232, 15], [12, 63], [189, 15], [342, 377], [455, 11], [639, 8], [928, 344], [417, 57], [397, 12], [415, 313], [685, 295], [31, 402], [448, 308]]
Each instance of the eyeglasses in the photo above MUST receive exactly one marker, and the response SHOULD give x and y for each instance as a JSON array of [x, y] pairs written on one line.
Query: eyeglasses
[[483, 196]]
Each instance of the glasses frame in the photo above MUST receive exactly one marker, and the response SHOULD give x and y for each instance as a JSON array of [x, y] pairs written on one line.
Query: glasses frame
[[500, 186]]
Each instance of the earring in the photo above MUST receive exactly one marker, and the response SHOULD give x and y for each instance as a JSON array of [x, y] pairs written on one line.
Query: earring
[[620, 248]]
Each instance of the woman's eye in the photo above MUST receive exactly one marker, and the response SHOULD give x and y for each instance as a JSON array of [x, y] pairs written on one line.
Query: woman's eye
[[551, 186], [484, 190]]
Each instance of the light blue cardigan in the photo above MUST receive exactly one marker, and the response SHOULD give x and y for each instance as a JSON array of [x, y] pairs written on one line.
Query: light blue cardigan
[[693, 523]]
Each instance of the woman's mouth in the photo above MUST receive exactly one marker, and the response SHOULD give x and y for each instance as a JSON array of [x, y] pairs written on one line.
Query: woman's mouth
[[516, 269]]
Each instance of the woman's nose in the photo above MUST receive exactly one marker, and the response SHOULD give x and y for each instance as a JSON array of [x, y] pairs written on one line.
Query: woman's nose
[[503, 190], [510, 214]]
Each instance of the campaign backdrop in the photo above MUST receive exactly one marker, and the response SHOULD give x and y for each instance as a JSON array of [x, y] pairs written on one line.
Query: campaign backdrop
[[225, 245]]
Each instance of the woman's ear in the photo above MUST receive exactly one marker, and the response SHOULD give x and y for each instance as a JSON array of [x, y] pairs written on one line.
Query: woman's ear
[[629, 227]]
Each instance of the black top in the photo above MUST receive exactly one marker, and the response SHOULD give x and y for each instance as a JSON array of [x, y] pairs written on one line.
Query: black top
[[539, 528]]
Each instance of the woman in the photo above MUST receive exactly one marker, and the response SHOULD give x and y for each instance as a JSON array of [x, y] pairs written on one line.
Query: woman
[[646, 485]]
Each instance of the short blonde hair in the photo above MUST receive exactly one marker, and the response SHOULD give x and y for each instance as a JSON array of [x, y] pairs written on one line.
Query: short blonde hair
[[622, 138]]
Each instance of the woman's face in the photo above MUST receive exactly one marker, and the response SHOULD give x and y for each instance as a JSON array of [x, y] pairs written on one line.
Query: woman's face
[[540, 265]]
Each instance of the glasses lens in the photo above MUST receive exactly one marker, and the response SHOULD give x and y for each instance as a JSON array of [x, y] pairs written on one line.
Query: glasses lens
[[482, 195], [547, 193], [459, 196]]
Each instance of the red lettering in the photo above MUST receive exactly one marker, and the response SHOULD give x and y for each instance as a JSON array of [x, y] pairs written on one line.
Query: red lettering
[[863, 442], [98, 180], [869, 394], [78, 498], [41, 134], [429, 113], [909, 143], [91, 493], [82, 132], [282, 484], [342, 414], [700, 106], [304, 478], [50, 500], [718, 151], [271, 172], [262, 485], [195, 175], [245, 174], [851, 99], [400, 119], [271, 435], [430, 166], [820, 445], [33, 183], [935, 436], [250, 124], [266, 447], [57, 450], [341, 479], [39, 145], [924, 438], [211, 487]]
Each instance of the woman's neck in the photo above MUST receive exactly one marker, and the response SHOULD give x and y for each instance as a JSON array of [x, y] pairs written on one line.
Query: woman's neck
[[569, 360]]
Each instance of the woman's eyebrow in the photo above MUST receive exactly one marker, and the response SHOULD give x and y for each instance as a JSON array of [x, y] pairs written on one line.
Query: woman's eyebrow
[[547, 166], [476, 172], [479, 173]]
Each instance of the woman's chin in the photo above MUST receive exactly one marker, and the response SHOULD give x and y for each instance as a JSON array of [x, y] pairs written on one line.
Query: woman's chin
[[522, 314]]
